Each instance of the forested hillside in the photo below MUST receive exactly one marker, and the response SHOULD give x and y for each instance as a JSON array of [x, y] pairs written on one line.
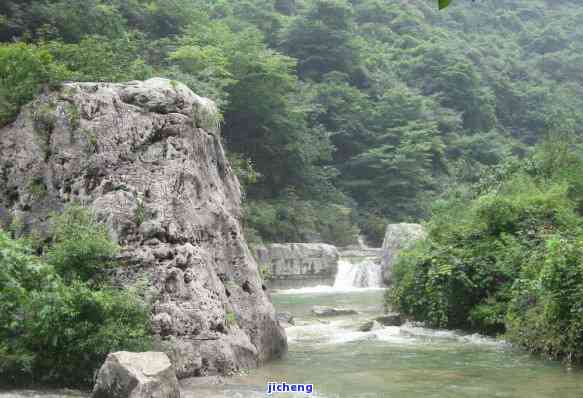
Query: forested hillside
[[338, 115]]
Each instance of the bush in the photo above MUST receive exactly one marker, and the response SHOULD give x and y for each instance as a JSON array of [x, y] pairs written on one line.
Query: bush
[[23, 69], [546, 314], [509, 260], [295, 220], [55, 325], [80, 246]]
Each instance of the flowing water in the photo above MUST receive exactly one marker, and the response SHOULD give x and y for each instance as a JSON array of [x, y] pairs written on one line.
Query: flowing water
[[406, 361], [364, 272]]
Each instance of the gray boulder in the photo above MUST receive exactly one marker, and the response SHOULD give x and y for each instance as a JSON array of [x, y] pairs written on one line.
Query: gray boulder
[[136, 375], [370, 326], [391, 319], [147, 158], [285, 317], [330, 311], [295, 265], [398, 237]]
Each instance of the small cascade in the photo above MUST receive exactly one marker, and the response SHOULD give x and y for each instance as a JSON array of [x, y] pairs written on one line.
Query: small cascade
[[359, 274], [361, 243]]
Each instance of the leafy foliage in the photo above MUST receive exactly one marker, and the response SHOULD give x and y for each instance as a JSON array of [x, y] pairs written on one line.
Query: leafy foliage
[[56, 324], [373, 105], [23, 69], [505, 259], [80, 246]]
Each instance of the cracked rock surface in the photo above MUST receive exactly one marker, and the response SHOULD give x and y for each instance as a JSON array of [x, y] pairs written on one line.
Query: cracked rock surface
[[147, 158]]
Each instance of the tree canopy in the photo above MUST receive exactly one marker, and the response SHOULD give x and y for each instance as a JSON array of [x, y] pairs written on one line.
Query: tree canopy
[[364, 111]]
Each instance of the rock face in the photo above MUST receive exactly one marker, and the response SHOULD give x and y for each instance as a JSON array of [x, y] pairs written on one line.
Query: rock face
[[294, 265], [147, 158], [397, 238], [136, 375]]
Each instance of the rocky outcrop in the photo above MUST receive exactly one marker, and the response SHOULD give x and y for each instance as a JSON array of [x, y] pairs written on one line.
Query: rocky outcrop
[[294, 265], [147, 158], [136, 375], [397, 238]]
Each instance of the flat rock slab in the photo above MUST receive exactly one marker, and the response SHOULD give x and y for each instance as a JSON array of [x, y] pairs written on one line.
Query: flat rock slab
[[330, 311], [285, 318], [392, 319], [136, 375]]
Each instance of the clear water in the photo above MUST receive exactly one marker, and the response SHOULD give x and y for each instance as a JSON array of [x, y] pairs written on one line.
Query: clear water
[[399, 362]]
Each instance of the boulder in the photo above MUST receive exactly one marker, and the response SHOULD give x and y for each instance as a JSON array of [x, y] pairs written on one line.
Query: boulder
[[330, 311], [296, 265], [285, 317], [136, 375], [398, 237], [147, 159], [370, 326], [391, 319]]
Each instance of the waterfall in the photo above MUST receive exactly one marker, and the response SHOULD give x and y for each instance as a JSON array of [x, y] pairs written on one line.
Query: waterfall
[[362, 273]]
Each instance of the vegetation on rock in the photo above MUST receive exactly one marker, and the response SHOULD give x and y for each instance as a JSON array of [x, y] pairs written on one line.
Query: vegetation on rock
[[359, 108], [58, 321]]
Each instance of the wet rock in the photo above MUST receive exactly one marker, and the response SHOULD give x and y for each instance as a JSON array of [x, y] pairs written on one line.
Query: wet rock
[[330, 311], [285, 317], [392, 319], [194, 382], [370, 326], [295, 265], [136, 375], [398, 237], [147, 158]]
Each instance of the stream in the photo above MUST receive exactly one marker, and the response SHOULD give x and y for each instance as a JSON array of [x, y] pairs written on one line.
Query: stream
[[405, 361]]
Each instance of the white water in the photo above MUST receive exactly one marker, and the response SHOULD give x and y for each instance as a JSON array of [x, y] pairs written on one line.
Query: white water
[[365, 273], [341, 331], [354, 274]]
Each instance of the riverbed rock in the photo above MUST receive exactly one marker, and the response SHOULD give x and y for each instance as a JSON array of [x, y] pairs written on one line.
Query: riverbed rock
[[147, 158], [370, 326], [295, 265], [398, 237], [391, 319], [285, 317], [136, 375], [330, 311]]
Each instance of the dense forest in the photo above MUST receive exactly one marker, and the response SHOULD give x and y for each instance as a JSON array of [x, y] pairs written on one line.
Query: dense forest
[[338, 115]]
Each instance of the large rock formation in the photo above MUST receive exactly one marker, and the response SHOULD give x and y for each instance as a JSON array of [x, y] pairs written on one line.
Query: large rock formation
[[147, 158], [294, 265], [397, 238], [136, 375]]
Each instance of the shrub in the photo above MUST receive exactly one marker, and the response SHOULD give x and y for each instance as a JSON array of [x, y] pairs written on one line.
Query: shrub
[[80, 246], [299, 221], [509, 260], [56, 324], [23, 69]]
